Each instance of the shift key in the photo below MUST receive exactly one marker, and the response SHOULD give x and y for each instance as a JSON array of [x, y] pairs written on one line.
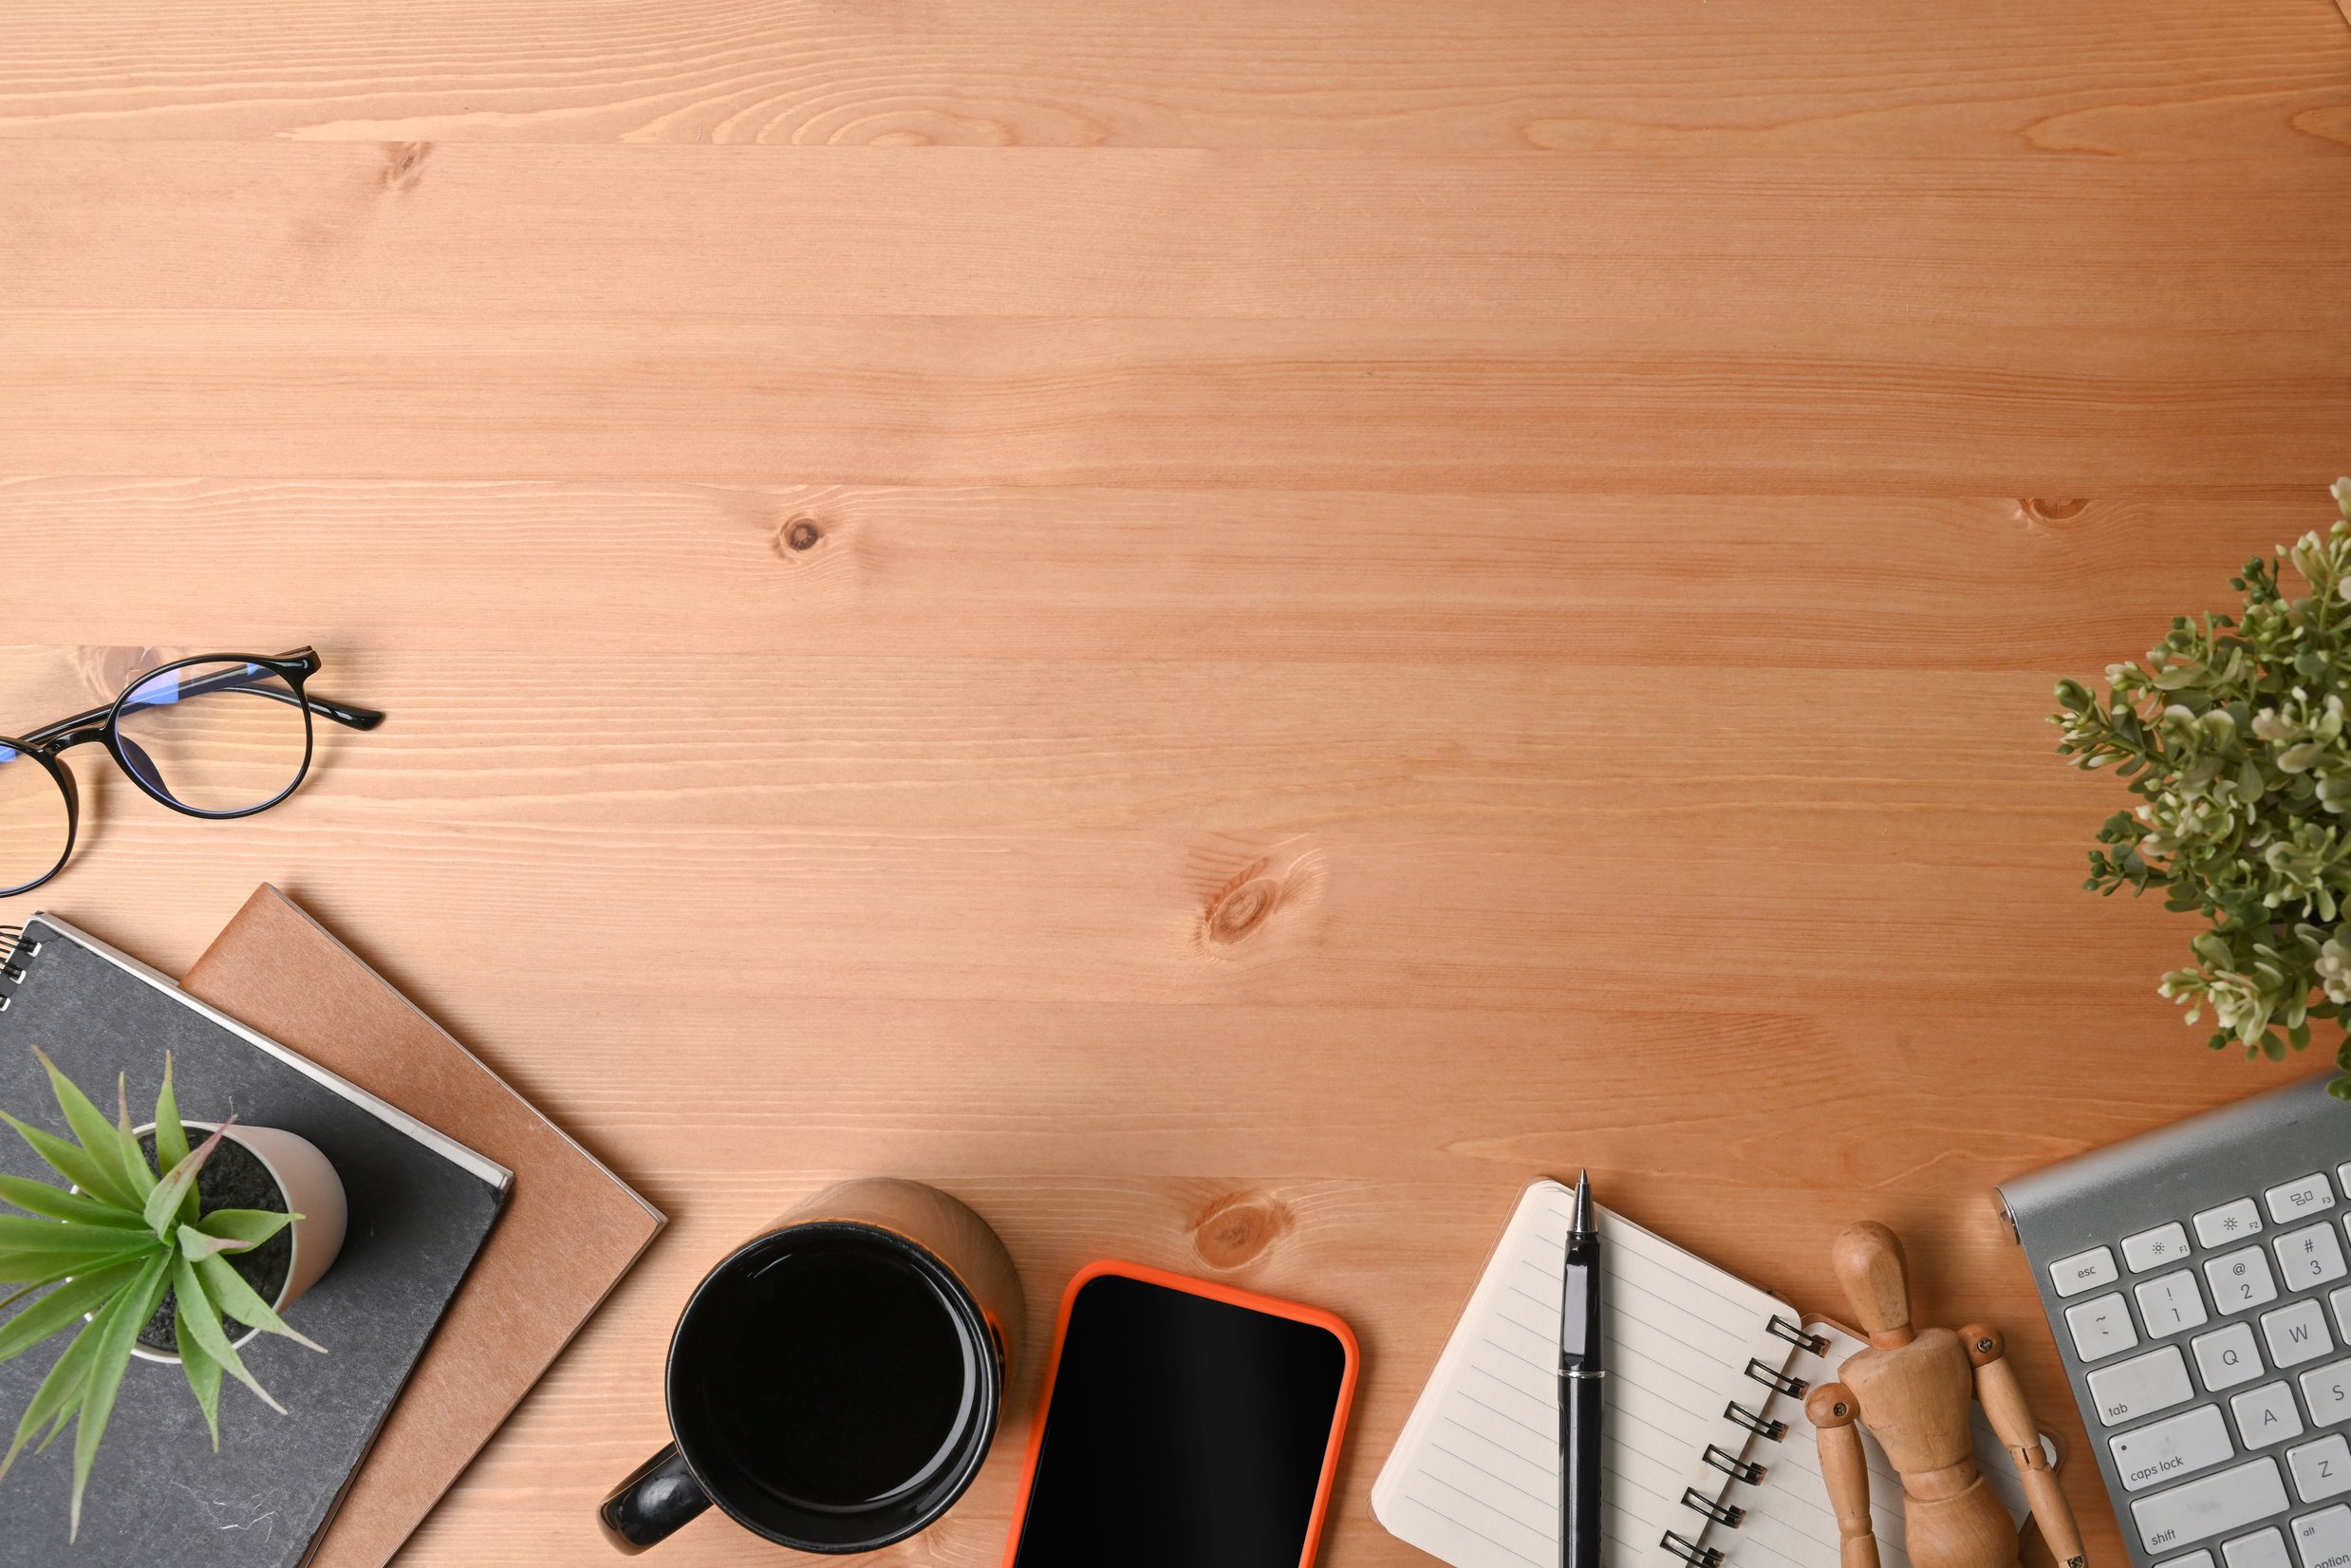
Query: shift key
[[2213, 1505]]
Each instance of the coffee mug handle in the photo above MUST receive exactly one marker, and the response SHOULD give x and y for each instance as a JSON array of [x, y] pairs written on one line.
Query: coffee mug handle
[[653, 1503]]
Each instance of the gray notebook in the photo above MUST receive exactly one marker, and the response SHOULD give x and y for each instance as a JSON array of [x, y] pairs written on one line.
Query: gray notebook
[[420, 1207]]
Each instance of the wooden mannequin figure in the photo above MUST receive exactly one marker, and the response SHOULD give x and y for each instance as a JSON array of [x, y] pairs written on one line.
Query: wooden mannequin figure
[[1912, 1388]]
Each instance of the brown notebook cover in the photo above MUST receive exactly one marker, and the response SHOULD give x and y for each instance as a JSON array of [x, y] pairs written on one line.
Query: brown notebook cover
[[570, 1232]]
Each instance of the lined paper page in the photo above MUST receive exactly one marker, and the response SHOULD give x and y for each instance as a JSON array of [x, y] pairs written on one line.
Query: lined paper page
[[1790, 1524], [1474, 1478]]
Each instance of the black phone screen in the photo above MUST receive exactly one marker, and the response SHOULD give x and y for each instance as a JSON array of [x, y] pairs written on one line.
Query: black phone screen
[[1184, 1432]]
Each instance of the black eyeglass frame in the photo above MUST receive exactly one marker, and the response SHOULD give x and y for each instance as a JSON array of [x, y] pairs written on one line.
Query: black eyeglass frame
[[101, 726]]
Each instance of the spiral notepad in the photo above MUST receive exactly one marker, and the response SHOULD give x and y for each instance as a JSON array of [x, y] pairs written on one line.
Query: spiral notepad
[[1709, 1459], [421, 1205]]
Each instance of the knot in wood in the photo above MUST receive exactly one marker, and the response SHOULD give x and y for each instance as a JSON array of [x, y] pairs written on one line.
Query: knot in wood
[[802, 533], [1237, 1229], [2053, 511], [403, 164], [1244, 910]]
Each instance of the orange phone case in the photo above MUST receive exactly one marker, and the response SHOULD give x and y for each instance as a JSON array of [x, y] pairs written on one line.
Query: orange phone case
[[1271, 1306]]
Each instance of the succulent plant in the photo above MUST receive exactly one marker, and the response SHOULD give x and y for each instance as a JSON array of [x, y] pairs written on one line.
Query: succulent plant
[[108, 1250], [2232, 734]]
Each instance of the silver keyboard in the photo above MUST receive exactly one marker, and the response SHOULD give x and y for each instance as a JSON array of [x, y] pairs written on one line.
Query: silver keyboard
[[2195, 1280]]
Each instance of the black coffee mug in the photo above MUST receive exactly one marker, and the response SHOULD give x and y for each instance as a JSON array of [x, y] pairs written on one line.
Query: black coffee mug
[[836, 1383]]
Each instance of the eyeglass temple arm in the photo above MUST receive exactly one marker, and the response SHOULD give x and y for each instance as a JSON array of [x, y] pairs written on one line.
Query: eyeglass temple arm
[[325, 707], [342, 713]]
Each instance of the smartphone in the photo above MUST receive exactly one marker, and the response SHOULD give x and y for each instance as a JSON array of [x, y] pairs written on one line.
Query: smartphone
[[1184, 1425]]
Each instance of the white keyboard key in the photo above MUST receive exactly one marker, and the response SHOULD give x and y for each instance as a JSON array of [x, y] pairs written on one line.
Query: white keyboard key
[[2153, 1248], [2217, 1227], [2170, 1303], [2261, 1549], [2310, 1256], [2321, 1470], [2102, 1327], [2209, 1506], [2296, 1333], [2083, 1271], [2300, 1199], [2228, 1358], [2168, 1450], [2323, 1539], [2341, 1301], [2194, 1559], [2328, 1392], [2266, 1416], [2342, 1174], [2141, 1386], [2241, 1281]]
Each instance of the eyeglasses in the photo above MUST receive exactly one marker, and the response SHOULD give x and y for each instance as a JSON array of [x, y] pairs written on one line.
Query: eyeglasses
[[220, 736]]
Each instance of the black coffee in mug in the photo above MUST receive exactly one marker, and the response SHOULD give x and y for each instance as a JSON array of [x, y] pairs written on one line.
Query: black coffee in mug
[[835, 1384], [837, 1375]]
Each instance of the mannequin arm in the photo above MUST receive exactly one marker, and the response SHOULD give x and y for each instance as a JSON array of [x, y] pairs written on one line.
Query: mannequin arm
[[1832, 1411], [2002, 1398]]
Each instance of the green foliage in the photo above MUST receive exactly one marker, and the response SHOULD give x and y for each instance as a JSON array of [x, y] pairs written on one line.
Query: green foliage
[[108, 1254], [2232, 734]]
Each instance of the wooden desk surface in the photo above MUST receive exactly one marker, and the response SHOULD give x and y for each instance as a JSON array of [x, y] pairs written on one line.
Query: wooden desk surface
[[1227, 627]]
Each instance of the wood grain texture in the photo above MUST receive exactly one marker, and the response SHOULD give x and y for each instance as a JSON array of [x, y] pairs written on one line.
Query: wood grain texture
[[1831, 327], [1354, 603], [2082, 246], [1698, 76], [1771, 403]]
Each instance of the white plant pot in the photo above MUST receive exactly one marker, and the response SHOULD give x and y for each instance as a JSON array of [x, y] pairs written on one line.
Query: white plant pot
[[311, 1190]]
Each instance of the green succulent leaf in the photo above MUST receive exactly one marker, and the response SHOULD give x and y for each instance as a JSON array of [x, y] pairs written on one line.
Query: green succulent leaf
[[202, 1321], [40, 1236], [203, 1373], [252, 1227], [65, 1414], [96, 1136], [170, 1134], [62, 1307], [134, 1158], [34, 1269], [194, 1245], [162, 1209], [57, 1203], [235, 1298], [121, 1320], [66, 1160], [60, 1393]]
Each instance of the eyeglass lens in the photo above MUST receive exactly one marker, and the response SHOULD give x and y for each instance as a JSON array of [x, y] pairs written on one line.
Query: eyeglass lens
[[34, 825], [222, 737]]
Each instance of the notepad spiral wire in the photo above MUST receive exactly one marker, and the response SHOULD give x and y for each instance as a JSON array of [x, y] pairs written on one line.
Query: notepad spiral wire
[[1716, 1511], [16, 946]]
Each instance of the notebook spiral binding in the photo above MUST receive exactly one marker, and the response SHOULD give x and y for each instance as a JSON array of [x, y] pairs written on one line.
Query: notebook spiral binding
[[1729, 1514], [1733, 1467], [13, 945], [1690, 1552], [1777, 1382], [1716, 1511], [1794, 1334]]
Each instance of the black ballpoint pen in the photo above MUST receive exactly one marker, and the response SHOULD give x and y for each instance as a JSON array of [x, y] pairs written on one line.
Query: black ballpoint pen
[[1581, 1378]]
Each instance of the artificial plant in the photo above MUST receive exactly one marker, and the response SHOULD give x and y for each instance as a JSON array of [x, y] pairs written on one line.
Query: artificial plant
[[109, 1250], [2232, 734]]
